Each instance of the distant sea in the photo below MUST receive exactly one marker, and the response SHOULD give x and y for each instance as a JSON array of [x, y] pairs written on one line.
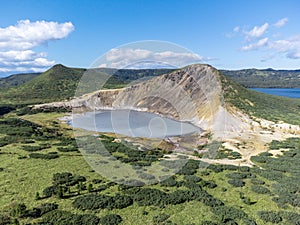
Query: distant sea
[[285, 92]]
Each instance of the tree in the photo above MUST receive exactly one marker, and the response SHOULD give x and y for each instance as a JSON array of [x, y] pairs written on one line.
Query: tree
[[18, 209], [37, 196], [269, 216], [111, 219], [90, 188]]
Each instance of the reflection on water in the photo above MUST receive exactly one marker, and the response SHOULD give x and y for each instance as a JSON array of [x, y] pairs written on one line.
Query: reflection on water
[[132, 123]]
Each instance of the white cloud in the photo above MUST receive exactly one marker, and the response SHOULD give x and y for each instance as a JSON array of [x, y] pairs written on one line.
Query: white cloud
[[256, 39], [290, 47], [27, 34], [281, 22], [16, 43], [260, 43], [258, 31], [236, 29], [137, 58]]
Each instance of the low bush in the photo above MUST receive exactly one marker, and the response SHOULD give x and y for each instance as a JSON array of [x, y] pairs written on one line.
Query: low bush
[[236, 183], [111, 219], [269, 216]]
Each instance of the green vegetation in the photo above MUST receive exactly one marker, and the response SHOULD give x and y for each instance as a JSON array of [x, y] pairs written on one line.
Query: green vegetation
[[67, 191], [261, 105], [267, 78], [44, 179], [60, 83], [16, 79]]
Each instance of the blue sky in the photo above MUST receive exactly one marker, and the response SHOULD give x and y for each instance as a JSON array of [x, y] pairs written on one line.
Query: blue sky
[[226, 34]]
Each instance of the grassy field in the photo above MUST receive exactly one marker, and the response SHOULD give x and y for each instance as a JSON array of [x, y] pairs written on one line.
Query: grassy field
[[21, 177]]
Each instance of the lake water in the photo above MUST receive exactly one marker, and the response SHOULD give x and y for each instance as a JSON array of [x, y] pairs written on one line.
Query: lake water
[[285, 92], [132, 123]]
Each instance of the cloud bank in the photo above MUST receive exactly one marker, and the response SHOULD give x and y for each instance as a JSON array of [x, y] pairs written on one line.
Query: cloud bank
[[143, 58], [17, 43], [263, 38]]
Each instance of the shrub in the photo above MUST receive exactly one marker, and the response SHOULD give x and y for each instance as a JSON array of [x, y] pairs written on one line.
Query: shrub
[[59, 217], [236, 183], [257, 181], [293, 218], [160, 218], [260, 189], [93, 201], [269, 216], [192, 178], [50, 155], [226, 213], [111, 219], [169, 182], [237, 175], [5, 220]]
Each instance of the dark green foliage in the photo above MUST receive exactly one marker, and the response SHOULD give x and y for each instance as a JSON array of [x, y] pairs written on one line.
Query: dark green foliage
[[34, 148], [132, 155], [5, 220], [267, 78], [210, 184], [59, 217], [19, 130], [93, 201], [227, 153], [260, 189], [216, 168], [269, 216], [206, 222], [293, 218], [160, 218], [16, 79], [249, 222], [111, 219], [257, 181], [192, 178], [54, 191], [189, 168], [48, 156], [289, 143], [62, 178], [40, 210], [4, 109], [236, 182], [273, 108], [238, 175], [148, 196], [17, 210], [68, 149], [226, 213], [169, 182]]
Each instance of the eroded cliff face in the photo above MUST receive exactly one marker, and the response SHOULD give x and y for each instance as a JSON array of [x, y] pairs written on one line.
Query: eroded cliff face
[[193, 93]]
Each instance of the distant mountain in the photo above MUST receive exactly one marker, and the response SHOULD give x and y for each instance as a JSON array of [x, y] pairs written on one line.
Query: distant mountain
[[17, 79], [268, 78], [61, 82]]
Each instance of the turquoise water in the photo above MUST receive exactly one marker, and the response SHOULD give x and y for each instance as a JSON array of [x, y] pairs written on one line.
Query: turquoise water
[[285, 92], [132, 123]]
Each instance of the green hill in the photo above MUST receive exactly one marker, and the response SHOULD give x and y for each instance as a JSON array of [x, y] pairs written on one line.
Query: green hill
[[60, 83], [17, 79], [267, 78], [57, 83], [270, 107]]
